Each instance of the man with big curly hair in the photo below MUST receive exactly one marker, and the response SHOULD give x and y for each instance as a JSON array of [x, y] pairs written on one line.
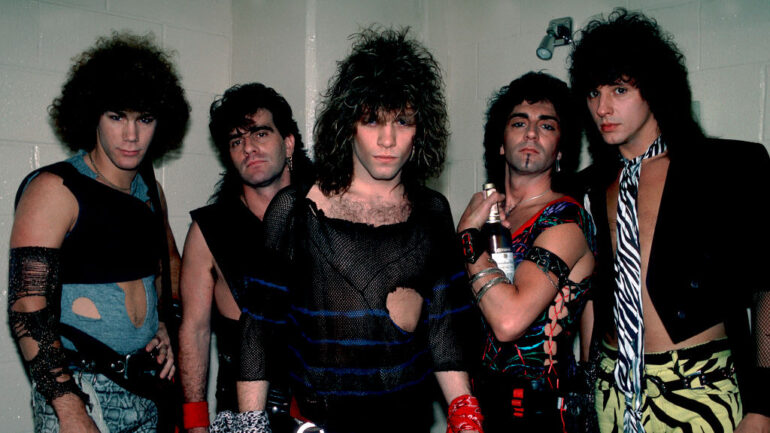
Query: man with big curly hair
[[675, 346], [90, 241], [371, 274]]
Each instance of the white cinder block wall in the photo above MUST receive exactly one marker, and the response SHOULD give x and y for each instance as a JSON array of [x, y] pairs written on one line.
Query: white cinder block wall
[[37, 41], [493, 42], [293, 46]]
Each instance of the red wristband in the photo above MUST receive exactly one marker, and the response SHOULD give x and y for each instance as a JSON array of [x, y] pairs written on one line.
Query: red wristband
[[195, 414], [464, 414]]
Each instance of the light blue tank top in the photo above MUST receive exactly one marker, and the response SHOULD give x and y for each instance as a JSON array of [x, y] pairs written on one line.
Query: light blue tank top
[[114, 327]]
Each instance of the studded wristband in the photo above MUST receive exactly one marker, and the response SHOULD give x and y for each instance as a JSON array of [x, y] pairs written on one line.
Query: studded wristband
[[473, 244]]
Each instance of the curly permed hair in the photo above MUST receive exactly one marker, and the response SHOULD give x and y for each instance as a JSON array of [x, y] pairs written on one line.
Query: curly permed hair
[[230, 111], [532, 87], [121, 72], [631, 47], [386, 71]]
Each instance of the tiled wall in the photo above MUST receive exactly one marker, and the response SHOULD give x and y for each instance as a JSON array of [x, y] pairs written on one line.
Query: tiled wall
[[493, 42], [293, 45]]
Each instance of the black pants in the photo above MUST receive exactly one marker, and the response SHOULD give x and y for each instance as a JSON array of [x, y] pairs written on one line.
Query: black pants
[[518, 405], [403, 412]]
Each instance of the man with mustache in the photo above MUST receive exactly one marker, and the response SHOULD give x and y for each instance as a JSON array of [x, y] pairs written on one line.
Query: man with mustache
[[259, 144], [531, 143]]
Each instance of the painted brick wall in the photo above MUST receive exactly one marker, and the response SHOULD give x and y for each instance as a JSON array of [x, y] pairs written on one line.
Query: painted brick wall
[[37, 41], [292, 45]]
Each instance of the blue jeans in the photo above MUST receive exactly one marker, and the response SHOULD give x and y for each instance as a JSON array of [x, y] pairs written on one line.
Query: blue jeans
[[113, 409]]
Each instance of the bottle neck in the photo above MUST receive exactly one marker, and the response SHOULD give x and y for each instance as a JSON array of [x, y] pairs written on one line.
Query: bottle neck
[[494, 211], [494, 214]]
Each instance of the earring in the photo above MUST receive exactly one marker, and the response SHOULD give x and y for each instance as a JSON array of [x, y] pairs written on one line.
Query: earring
[[558, 169], [290, 163]]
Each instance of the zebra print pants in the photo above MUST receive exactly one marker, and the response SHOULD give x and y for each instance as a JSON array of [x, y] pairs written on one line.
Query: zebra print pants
[[715, 407]]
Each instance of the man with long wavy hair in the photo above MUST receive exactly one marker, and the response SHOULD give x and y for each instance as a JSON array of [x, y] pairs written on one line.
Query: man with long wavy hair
[[259, 144], [89, 239], [673, 337], [374, 282]]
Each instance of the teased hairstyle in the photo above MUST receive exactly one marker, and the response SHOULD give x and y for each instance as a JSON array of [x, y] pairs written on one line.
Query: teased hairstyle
[[532, 87], [631, 47], [230, 111], [121, 72], [386, 71]]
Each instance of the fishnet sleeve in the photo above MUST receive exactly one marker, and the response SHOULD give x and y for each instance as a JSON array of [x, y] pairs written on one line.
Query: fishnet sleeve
[[265, 305], [761, 328], [450, 311], [755, 239], [33, 314], [754, 392]]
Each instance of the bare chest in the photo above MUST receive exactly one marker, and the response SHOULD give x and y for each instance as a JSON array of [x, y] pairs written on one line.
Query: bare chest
[[651, 183]]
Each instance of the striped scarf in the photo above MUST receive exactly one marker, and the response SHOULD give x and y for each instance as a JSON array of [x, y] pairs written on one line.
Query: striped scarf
[[629, 318]]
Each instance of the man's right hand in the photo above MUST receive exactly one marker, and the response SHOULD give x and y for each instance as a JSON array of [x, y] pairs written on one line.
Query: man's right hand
[[77, 425], [72, 415], [477, 212], [198, 430]]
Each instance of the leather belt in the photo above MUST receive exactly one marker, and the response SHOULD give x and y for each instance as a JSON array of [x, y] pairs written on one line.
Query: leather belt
[[696, 380]]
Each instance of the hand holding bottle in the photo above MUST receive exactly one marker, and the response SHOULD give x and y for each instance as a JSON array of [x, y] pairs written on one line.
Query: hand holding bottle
[[477, 211], [498, 237]]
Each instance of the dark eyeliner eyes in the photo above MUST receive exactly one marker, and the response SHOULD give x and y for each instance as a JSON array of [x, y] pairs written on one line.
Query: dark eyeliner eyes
[[520, 124], [146, 119], [618, 90]]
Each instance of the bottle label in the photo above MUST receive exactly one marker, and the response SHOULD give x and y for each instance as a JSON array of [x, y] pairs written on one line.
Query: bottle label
[[505, 262]]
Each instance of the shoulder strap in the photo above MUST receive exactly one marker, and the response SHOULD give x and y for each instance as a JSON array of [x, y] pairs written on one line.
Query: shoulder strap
[[166, 301], [62, 169]]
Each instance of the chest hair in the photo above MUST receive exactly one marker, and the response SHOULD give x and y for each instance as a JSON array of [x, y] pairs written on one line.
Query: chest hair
[[374, 212]]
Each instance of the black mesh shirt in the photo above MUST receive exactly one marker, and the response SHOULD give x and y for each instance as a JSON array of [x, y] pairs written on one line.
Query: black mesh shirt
[[349, 363]]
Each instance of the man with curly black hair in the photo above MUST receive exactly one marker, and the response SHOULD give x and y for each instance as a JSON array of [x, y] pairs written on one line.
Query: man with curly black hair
[[260, 146], [90, 237], [675, 346], [376, 294], [532, 310]]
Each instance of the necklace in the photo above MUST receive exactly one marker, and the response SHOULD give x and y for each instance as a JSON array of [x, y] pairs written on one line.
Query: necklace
[[509, 210], [104, 178]]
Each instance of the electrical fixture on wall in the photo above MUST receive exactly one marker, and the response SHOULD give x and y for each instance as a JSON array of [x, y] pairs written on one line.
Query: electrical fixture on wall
[[558, 33]]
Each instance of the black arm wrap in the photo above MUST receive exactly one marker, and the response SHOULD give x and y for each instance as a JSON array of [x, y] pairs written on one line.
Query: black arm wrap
[[34, 271], [547, 261]]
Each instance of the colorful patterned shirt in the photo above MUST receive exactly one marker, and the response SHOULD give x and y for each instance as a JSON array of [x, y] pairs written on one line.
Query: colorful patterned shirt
[[549, 339]]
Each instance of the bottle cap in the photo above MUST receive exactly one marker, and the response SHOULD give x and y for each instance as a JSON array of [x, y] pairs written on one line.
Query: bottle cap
[[487, 188]]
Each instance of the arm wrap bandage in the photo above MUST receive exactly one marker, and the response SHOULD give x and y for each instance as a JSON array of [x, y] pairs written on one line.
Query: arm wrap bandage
[[34, 272]]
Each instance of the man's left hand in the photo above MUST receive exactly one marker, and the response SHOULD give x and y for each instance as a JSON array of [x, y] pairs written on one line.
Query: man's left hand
[[161, 344], [754, 423]]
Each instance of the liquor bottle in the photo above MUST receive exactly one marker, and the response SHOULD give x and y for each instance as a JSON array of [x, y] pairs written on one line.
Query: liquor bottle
[[499, 237]]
